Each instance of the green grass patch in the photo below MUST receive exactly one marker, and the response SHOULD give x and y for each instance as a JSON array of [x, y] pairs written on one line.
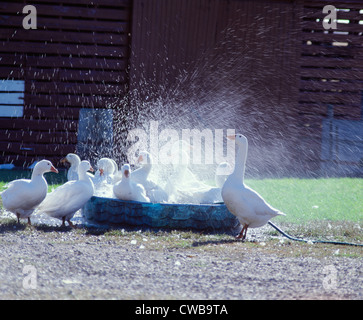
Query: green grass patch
[[302, 200], [53, 179]]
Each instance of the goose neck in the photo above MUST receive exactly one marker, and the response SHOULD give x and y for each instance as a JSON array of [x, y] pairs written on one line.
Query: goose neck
[[240, 164]]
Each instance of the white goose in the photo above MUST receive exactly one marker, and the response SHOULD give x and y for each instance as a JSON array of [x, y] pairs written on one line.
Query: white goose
[[222, 172], [105, 170], [213, 194], [126, 189], [117, 175], [23, 196], [103, 178], [74, 160], [141, 176], [246, 204], [179, 182], [65, 200], [183, 186]]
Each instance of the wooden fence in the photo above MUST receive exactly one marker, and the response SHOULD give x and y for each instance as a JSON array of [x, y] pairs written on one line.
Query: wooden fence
[[331, 78], [222, 64], [332, 61], [76, 58], [270, 65], [274, 65]]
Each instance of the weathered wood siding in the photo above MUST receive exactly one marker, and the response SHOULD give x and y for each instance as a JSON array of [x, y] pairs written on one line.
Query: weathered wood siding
[[226, 63], [270, 63], [331, 73], [76, 58], [264, 67]]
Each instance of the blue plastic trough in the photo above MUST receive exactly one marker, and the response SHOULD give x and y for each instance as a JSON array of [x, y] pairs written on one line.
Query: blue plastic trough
[[111, 212]]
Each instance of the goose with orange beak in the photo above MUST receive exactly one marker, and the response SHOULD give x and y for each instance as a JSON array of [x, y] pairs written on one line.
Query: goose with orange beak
[[154, 192], [23, 195], [246, 204], [105, 170], [126, 189], [74, 160], [104, 178], [68, 198]]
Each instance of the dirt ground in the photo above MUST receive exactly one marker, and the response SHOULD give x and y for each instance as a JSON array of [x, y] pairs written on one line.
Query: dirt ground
[[48, 262]]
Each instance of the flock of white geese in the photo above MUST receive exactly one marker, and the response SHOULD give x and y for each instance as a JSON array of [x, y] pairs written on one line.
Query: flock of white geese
[[24, 196]]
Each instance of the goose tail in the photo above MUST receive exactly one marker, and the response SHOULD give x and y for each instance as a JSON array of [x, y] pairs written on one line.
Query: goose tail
[[279, 213]]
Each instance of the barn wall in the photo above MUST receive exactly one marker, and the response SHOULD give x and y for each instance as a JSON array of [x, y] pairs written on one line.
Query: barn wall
[[224, 64], [266, 68], [76, 58], [331, 86]]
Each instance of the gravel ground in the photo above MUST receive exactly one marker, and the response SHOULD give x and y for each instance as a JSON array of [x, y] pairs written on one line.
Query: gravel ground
[[48, 262]]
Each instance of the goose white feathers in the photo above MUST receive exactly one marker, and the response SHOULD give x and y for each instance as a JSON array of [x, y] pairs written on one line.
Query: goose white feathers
[[117, 175], [104, 177], [126, 189], [74, 160], [154, 192], [181, 181], [141, 174], [246, 204], [105, 170], [183, 186], [23, 196], [214, 194], [65, 200], [223, 170]]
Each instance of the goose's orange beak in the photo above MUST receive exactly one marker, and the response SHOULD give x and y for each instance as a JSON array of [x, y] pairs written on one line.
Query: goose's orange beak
[[231, 137], [53, 169], [127, 173], [63, 160]]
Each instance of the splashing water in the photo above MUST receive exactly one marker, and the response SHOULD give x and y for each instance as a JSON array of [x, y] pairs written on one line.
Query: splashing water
[[210, 97], [225, 89]]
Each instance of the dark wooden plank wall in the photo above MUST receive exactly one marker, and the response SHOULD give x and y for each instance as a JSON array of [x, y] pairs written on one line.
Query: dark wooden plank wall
[[173, 36], [233, 58], [288, 69], [331, 71], [78, 57]]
